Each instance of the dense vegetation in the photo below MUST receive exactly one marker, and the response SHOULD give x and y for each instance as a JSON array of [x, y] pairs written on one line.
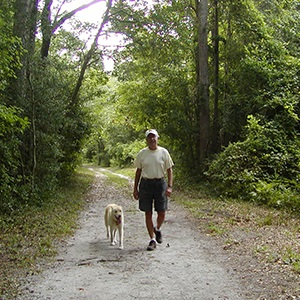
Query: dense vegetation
[[218, 79], [252, 151]]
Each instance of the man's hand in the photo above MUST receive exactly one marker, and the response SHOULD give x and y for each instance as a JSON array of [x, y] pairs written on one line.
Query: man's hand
[[169, 191], [136, 194]]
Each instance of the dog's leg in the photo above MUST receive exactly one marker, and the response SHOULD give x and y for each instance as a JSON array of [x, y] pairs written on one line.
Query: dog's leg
[[112, 236], [121, 235], [115, 236], [107, 231], [106, 222]]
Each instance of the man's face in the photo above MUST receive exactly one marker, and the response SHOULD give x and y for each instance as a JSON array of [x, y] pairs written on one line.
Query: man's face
[[152, 140]]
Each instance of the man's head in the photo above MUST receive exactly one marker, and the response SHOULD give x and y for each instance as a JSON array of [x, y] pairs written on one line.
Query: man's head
[[152, 131], [152, 138]]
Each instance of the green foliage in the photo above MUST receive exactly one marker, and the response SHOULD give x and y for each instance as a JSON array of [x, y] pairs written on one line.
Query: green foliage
[[263, 168], [258, 61], [113, 141], [156, 73], [155, 86], [76, 129], [258, 68], [124, 152], [261, 165], [11, 127], [51, 147], [9, 47], [35, 158]]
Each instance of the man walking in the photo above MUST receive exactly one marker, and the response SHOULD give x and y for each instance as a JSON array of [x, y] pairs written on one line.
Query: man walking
[[150, 187]]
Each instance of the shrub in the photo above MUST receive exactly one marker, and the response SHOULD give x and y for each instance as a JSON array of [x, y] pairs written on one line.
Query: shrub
[[11, 126], [262, 168]]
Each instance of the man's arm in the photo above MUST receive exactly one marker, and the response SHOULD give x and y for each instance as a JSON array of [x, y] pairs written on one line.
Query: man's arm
[[136, 183], [170, 182]]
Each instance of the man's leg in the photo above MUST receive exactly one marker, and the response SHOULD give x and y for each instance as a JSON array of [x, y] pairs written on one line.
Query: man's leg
[[149, 224], [160, 218]]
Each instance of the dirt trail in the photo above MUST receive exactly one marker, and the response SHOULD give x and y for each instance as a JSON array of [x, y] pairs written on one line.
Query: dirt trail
[[187, 265]]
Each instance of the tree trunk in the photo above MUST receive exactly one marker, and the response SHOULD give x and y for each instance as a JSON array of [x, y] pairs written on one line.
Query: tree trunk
[[25, 28], [20, 90], [216, 124], [48, 27], [202, 84], [89, 54]]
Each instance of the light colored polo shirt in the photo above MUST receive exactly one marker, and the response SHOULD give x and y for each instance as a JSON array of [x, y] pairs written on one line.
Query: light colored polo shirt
[[153, 163]]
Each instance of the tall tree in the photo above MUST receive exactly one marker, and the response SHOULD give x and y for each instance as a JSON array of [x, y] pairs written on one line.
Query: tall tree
[[247, 69], [43, 95], [71, 133], [25, 19], [216, 66], [49, 26], [21, 89], [166, 61], [202, 79], [90, 52]]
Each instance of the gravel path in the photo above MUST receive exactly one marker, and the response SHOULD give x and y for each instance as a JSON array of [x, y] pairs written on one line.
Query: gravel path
[[187, 265]]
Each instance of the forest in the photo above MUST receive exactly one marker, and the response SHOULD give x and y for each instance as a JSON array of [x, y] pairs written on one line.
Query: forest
[[219, 80]]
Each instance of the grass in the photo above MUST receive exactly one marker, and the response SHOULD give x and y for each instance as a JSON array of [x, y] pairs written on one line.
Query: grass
[[130, 172], [121, 182], [28, 235]]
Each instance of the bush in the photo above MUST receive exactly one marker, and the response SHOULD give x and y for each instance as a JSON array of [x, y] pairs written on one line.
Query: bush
[[262, 168], [276, 194], [11, 126]]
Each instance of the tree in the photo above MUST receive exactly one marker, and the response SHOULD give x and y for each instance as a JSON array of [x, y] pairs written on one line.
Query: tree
[[41, 92], [10, 46], [90, 53], [10, 129], [170, 40], [12, 125], [49, 26], [262, 162], [216, 66], [202, 83]]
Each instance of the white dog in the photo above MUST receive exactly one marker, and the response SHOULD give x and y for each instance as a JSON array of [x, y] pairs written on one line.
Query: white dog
[[114, 220]]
